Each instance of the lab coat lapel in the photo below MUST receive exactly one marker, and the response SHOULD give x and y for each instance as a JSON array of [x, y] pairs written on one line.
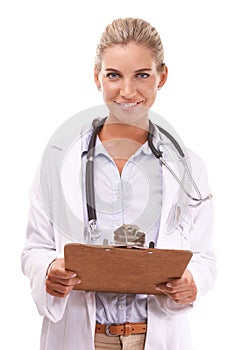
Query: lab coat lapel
[[64, 189]]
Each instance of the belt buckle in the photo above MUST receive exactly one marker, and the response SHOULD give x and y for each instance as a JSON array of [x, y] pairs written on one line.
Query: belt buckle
[[108, 330]]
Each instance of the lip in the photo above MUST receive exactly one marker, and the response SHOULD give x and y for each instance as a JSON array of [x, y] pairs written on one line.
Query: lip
[[129, 104]]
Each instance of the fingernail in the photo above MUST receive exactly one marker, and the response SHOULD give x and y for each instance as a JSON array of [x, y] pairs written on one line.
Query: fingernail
[[157, 288], [73, 275], [169, 284]]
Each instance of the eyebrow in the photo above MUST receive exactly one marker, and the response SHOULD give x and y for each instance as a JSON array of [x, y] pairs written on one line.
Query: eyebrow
[[136, 71]]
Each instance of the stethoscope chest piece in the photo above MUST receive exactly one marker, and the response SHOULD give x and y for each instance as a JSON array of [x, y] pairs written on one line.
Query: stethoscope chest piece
[[91, 232]]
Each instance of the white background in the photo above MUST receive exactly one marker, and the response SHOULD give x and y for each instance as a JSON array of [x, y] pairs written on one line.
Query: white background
[[47, 53]]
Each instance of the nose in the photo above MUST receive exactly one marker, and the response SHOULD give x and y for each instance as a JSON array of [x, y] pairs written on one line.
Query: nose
[[128, 89]]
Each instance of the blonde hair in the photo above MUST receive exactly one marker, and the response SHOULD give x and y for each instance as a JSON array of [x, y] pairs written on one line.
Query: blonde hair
[[125, 30]]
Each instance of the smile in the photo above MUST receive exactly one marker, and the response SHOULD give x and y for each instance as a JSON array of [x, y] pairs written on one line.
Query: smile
[[128, 105]]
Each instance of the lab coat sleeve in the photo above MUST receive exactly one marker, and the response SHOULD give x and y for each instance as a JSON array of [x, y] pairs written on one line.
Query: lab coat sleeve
[[39, 251], [197, 237], [203, 263]]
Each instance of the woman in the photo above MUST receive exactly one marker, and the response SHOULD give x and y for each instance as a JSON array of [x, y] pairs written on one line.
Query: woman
[[129, 71]]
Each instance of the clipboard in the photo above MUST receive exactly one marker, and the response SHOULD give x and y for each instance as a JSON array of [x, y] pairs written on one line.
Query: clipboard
[[122, 269]]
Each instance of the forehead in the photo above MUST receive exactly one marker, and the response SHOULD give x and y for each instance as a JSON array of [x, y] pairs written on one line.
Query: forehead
[[130, 55]]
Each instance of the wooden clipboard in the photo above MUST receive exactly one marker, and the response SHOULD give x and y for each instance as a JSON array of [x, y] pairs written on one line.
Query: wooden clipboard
[[124, 270]]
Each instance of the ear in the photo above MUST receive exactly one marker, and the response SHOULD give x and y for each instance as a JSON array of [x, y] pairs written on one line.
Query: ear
[[163, 77], [96, 79]]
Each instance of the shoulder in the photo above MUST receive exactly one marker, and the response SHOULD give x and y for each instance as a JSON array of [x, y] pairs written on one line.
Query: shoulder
[[198, 170], [66, 138], [196, 160], [194, 156]]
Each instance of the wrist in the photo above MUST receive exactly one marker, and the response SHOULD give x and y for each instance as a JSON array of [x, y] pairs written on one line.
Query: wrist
[[50, 266]]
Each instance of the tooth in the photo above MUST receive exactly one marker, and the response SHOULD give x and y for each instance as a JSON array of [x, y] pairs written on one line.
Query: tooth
[[129, 104]]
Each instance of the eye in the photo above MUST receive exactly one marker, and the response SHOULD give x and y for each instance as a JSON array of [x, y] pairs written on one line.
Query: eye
[[113, 76], [142, 75]]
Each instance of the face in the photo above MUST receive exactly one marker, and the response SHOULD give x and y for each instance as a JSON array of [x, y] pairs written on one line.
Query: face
[[129, 79]]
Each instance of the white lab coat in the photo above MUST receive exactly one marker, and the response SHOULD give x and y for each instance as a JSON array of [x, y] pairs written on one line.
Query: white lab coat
[[69, 322]]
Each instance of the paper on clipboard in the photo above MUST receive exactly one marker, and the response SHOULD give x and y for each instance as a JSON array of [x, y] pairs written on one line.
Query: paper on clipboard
[[124, 270]]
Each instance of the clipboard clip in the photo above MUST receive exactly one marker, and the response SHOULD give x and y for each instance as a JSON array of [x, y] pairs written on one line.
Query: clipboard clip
[[129, 235]]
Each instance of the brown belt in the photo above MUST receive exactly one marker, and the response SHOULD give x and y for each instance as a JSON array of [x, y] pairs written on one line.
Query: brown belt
[[121, 329]]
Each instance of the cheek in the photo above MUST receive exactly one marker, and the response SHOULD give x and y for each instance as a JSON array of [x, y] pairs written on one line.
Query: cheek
[[109, 91], [150, 93], [149, 90], [149, 87]]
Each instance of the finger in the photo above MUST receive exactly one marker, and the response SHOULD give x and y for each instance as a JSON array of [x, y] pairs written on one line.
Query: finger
[[180, 295], [186, 279], [63, 275], [57, 268], [177, 291], [180, 283], [183, 297], [56, 294], [63, 281], [187, 300], [163, 288], [60, 289]]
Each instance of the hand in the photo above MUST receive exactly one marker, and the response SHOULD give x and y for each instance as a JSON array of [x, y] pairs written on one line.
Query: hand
[[182, 290], [60, 282]]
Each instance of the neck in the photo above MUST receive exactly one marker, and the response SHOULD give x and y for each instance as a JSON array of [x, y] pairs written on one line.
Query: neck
[[115, 129]]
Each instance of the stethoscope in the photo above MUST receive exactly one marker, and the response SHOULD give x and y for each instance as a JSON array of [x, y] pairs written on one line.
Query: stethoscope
[[91, 230]]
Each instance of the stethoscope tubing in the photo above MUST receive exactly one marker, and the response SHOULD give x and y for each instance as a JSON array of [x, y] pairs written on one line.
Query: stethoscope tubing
[[89, 180]]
